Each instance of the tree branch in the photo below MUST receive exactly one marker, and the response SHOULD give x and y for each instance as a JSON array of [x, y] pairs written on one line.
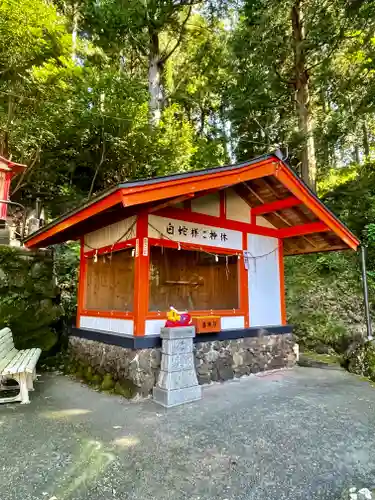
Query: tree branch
[[182, 31], [281, 78], [97, 168], [334, 47], [27, 171]]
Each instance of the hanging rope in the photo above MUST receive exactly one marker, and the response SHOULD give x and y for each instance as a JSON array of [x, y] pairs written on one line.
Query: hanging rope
[[123, 236], [179, 245]]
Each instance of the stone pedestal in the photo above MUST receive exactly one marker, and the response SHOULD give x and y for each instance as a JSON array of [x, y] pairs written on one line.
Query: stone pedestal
[[177, 383]]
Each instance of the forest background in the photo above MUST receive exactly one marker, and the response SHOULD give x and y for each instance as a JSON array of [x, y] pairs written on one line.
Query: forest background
[[93, 92]]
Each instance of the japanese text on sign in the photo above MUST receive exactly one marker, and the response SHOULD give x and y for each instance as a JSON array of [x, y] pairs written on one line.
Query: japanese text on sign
[[194, 232]]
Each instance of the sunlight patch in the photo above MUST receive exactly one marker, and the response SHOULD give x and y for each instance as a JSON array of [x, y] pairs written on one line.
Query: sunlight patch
[[87, 466], [72, 412], [126, 441]]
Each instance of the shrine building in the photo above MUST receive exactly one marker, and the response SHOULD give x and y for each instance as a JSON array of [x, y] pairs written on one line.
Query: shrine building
[[211, 242]]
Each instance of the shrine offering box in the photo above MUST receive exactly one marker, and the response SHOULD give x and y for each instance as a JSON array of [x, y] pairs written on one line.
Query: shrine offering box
[[207, 324]]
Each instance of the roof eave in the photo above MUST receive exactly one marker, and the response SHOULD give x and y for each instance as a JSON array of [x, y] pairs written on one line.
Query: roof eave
[[301, 190], [34, 240], [134, 193]]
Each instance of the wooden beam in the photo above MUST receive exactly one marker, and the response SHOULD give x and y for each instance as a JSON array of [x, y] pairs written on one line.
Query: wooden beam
[[286, 221], [277, 205], [290, 253], [314, 227], [81, 281], [297, 210], [244, 284], [282, 283], [172, 201], [253, 217], [210, 220], [290, 181], [95, 208]]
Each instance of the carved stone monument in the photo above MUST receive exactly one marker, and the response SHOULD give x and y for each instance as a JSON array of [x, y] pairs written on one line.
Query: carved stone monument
[[177, 383]]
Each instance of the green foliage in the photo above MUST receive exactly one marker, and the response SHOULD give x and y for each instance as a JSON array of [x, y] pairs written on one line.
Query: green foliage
[[324, 300], [125, 388], [76, 112], [108, 382], [27, 298], [328, 359], [362, 360], [66, 260], [338, 48], [43, 41], [74, 106]]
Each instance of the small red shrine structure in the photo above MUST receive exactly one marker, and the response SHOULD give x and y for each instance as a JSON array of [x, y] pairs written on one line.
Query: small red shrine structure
[[209, 241], [7, 170]]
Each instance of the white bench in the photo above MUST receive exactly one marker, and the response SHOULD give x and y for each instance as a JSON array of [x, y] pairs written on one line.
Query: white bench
[[17, 365]]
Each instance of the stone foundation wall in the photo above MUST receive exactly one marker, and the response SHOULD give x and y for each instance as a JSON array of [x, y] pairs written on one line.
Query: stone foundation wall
[[127, 371], [130, 372], [224, 360]]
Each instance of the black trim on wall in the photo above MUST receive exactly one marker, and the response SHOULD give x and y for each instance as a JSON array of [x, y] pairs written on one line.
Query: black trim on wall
[[150, 341]]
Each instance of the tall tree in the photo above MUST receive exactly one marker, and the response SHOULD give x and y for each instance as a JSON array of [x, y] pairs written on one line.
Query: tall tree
[[291, 42], [31, 35], [154, 29], [302, 94]]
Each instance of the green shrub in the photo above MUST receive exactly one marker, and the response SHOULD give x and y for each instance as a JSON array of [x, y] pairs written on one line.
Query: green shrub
[[66, 258], [362, 360], [108, 382], [324, 300]]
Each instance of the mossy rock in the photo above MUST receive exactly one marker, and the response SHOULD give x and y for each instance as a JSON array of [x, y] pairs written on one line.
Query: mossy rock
[[362, 360], [88, 373], [28, 298], [72, 367], [108, 382], [80, 374], [96, 379], [80, 370], [125, 388]]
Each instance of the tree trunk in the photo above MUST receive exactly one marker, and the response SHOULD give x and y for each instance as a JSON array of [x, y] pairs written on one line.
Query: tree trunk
[[325, 145], [154, 79], [4, 141], [302, 97], [366, 145], [356, 154], [202, 121], [75, 19]]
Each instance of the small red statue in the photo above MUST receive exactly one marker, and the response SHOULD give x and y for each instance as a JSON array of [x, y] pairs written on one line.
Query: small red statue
[[177, 318]]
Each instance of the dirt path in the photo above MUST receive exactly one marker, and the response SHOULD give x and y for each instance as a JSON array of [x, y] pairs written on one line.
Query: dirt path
[[300, 434]]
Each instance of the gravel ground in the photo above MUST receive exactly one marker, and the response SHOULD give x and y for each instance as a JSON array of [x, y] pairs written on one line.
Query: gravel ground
[[306, 433]]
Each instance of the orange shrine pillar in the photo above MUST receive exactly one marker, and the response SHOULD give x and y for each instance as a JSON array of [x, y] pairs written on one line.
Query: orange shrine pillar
[[141, 275]]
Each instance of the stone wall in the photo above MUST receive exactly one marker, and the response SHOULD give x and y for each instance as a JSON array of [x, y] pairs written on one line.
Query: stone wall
[[132, 371], [29, 298], [224, 360], [136, 371]]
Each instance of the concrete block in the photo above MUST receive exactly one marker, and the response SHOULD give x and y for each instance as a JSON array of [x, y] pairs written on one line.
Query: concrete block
[[176, 397], [177, 362], [178, 346], [177, 383], [177, 380], [183, 332]]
